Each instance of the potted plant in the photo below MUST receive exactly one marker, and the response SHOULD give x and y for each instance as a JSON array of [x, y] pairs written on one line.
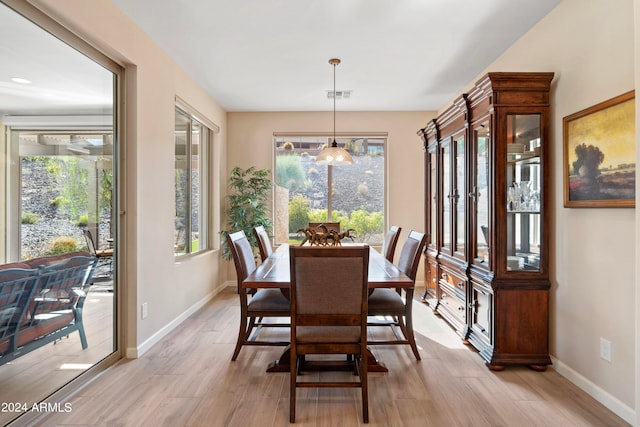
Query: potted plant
[[250, 191]]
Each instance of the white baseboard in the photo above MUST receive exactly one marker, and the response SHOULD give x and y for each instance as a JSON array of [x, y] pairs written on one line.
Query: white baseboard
[[609, 401], [135, 352]]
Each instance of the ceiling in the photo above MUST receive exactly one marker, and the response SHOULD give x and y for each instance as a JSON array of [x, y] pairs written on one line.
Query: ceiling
[[60, 78], [272, 55]]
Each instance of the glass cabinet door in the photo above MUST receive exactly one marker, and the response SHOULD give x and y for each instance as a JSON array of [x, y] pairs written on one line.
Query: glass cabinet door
[[433, 198], [480, 196], [457, 197], [523, 179], [445, 158]]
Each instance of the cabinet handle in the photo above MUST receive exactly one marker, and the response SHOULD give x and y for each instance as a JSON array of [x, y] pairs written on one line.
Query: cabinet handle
[[461, 308], [473, 194], [444, 276], [460, 285]]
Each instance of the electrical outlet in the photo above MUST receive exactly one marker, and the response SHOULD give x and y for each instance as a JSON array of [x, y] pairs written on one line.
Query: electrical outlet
[[605, 349], [145, 310]]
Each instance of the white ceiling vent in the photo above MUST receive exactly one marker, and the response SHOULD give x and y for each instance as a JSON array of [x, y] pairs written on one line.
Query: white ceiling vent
[[340, 94]]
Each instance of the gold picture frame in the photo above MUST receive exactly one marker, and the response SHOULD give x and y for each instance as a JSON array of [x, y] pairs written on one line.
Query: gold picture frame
[[600, 155]]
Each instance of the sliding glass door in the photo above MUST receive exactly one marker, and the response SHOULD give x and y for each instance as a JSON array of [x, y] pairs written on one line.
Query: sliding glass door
[[58, 185]]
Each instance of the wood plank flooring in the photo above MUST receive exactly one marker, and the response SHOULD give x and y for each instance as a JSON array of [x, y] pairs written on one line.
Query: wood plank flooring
[[188, 379]]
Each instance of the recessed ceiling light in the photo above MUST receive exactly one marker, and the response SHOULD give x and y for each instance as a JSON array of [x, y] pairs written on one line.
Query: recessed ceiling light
[[20, 80]]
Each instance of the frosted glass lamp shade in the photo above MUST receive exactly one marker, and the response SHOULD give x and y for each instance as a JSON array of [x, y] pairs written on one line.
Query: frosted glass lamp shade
[[334, 156]]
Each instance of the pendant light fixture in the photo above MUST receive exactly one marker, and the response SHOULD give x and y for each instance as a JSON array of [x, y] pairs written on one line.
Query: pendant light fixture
[[334, 155]]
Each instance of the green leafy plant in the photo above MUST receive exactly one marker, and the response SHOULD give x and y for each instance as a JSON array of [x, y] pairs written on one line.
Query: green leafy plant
[[82, 221], [366, 223], [298, 213], [30, 217], [73, 180], [248, 204], [58, 201]]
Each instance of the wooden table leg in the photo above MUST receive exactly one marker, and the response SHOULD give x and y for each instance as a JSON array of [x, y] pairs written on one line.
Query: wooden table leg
[[283, 364], [373, 364]]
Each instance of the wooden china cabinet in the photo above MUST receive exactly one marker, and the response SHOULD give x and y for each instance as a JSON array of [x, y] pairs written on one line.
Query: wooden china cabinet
[[486, 208]]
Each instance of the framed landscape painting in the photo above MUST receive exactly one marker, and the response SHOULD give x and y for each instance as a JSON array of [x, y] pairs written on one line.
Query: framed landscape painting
[[600, 155]]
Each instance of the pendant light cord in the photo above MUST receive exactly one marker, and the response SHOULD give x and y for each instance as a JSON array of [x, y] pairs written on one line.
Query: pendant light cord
[[334, 104]]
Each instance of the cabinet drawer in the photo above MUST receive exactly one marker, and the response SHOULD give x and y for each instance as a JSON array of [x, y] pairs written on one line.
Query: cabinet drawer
[[454, 282], [451, 305]]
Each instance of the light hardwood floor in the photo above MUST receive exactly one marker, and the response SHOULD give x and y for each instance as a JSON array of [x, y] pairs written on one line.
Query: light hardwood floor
[[188, 379]]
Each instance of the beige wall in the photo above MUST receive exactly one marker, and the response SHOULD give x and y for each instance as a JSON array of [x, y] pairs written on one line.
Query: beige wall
[[589, 44], [250, 143], [171, 289]]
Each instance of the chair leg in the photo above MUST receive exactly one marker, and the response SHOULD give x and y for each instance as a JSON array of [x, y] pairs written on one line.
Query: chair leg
[[362, 368], [83, 337], [409, 322], [242, 333], [408, 332], [293, 370]]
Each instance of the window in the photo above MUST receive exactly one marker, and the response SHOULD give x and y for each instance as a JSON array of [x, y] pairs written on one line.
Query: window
[[357, 196], [192, 148], [66, 186]]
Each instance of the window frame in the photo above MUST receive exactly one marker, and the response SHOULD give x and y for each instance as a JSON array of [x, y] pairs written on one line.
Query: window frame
[[325, 137], [205, 143]]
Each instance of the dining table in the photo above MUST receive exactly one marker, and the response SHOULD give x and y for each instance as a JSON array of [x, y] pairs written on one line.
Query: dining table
[[274, 272]]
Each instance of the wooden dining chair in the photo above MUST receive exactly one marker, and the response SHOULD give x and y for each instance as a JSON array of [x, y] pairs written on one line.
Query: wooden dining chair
[[329, 313], [390, 305], [390, 242], [264, 243], [255, 304]]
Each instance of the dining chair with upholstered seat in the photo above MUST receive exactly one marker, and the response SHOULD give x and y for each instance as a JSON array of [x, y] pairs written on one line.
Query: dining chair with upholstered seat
[[255, 304], [264, 243], [329, 313], [390, 242], [392, 304]]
